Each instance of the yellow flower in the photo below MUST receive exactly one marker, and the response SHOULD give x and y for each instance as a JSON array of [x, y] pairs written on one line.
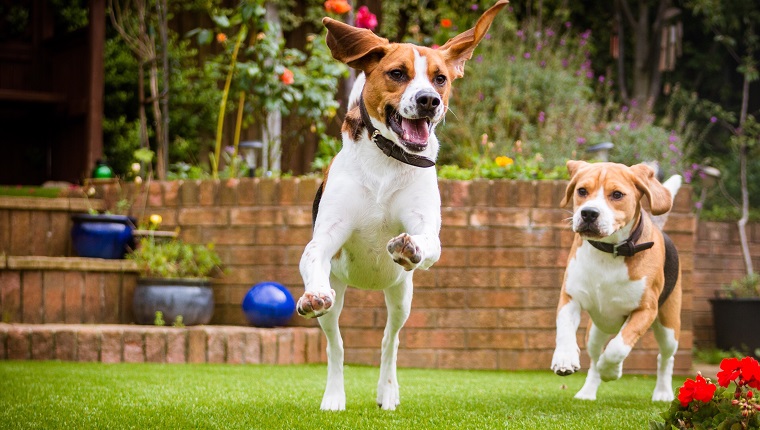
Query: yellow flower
[[504, 161], [155, 219]]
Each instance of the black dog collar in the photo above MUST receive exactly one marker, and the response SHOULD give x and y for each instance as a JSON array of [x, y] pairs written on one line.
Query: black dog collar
[[387, 146], [626, 248]]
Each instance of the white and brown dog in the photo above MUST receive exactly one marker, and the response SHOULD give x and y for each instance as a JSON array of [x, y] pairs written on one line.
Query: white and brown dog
[[622, 270], [377, 215]]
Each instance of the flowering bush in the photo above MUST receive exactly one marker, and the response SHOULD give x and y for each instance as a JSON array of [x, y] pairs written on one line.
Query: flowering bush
[[700, 404]]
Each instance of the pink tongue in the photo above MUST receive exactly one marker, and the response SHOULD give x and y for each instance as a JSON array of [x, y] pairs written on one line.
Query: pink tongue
[[415, 130]]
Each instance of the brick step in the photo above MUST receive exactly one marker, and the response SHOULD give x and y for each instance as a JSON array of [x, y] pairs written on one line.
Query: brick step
[[114, 343]]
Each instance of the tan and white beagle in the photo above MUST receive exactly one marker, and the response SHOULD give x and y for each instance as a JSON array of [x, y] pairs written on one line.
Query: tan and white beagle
[[622, 270], [377, 215]]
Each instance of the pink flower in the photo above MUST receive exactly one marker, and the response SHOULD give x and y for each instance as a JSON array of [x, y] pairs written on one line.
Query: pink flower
[[365, 18]]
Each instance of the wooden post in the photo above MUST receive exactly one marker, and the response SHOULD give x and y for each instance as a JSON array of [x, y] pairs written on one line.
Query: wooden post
[[96, 41]]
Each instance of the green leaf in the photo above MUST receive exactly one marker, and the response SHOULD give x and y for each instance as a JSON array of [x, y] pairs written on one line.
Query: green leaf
[[221, 20]]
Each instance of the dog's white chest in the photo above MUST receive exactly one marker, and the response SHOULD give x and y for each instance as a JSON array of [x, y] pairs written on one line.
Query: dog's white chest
[[600, 283]]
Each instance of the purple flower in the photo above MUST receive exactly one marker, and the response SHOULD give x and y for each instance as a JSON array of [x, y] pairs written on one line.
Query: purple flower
[[590, 74], [601, 79], [542, 64], [672, 138], [539, 47], [541, 116], [481, 96], [713, 119], [549, 33], [474, 7], [562, 42], [624, 109], [697, 205], [526, 55], [633, 125], [488, 36], [520, 34], [580, 140], [512, 58], [582, 42], [479, 59], [565, 63], [586, 34], [688, 176], [568, 24]]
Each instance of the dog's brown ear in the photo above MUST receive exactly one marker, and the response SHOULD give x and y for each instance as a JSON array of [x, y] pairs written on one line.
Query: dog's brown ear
[[660, 200], [572, 167], [459, 49], [359, 48]]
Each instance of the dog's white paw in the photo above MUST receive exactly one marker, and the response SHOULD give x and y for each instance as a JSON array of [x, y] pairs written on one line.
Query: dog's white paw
[[609, 370], [585, 394], [662, 395], [334, 401], [566, 362], [313, 305], [404, 251], [388, 396]]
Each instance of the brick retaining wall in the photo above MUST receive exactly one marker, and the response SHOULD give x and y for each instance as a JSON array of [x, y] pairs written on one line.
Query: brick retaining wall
[[137, 344], [488, 303]]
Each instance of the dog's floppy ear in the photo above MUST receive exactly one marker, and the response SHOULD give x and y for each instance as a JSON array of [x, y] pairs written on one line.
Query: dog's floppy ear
[[572, 167], [359, 48], [660, 200], [459, 48]]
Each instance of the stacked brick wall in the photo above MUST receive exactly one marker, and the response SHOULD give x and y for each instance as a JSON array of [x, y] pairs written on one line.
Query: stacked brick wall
[[137, 344], [39, 226], [489, 302], [718, 260]]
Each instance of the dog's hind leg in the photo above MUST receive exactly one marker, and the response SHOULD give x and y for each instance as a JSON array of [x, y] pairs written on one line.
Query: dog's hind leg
[[334, 398], [398, 300], [595, 342], [666, 340]]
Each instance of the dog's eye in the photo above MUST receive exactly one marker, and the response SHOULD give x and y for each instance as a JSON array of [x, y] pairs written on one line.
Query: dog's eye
[[616, 195], [440, 80], [582, 192], [396, 74]]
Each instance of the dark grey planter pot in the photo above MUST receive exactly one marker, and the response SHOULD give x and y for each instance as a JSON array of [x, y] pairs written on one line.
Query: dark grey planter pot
[[736, 324], [191, 298]]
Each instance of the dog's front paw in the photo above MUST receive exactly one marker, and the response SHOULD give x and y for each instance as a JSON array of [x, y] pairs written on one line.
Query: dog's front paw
[[404, 251], [314, 305], [566, 362], [388, 396], [609, 370]]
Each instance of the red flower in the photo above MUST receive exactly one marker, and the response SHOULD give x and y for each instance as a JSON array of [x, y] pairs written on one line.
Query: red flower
[[746, 370], [365, 18], [221, 37], [337, 6], [698, 389], [287, 77], [446, 23]]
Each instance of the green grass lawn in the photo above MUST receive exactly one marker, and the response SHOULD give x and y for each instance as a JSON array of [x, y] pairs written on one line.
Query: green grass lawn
[[51, 395]]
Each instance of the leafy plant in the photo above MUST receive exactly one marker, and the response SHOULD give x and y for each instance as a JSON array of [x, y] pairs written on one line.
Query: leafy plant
[[159, 320], [700, 404], [175, 259], [748, 286]]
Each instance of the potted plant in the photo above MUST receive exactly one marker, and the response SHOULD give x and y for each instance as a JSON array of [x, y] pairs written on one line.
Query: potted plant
[[174, 280], [108, 234], [736, 315]]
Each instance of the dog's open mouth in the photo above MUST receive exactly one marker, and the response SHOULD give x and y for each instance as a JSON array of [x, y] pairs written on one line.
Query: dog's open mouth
[[413, 132]]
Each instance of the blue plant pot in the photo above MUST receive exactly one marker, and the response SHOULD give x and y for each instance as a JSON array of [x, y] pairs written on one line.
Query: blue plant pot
[[193, 299], [101, 236]]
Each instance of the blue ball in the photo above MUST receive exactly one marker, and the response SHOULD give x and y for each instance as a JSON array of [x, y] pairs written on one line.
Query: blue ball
[[268, 304]]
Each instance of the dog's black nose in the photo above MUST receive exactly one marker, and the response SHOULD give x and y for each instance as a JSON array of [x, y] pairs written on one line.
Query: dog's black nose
[[427, 101], [589, 214]]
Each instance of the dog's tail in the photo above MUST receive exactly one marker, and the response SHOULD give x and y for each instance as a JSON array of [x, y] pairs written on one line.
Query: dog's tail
[[673, 184], [356, 91]]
